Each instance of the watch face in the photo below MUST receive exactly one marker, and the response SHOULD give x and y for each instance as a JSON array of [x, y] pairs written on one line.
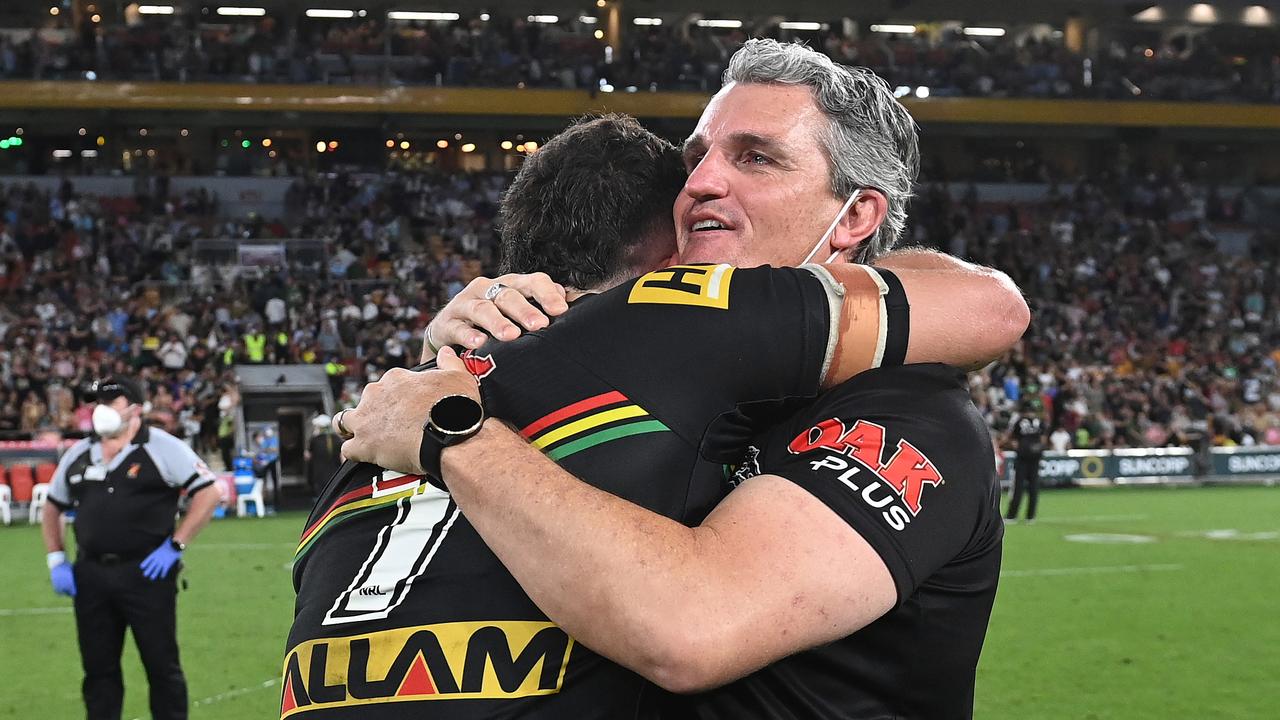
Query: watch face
[[457, 415]]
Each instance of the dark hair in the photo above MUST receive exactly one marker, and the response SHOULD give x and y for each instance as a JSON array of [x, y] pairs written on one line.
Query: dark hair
[[585, 207]]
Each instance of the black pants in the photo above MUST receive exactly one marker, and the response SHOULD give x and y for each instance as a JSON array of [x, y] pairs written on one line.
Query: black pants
[[1026, 476], [109, 598]]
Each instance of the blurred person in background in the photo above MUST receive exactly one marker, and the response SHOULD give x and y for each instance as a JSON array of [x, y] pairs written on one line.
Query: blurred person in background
[[1027, 432]]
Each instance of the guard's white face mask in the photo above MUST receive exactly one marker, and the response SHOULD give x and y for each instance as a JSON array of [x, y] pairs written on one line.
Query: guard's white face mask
[[107, 421], [832, 228]]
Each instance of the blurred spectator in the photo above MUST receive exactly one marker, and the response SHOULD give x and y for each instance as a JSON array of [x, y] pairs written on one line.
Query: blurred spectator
[[514, 52]]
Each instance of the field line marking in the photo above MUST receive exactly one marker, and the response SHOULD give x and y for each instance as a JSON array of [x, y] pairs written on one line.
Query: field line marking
[[237, 692], [1096, 570], [12, 612], [1091, 518], [265, 684]]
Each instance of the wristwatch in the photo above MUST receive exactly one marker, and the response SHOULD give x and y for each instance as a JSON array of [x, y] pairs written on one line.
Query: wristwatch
[[452, 419], [179, 546]]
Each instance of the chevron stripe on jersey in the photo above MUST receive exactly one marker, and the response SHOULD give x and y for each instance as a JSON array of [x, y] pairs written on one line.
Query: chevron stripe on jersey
[[588, 423], [382, 492]]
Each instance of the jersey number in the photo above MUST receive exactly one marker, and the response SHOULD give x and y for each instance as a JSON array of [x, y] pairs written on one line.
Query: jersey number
[[401, 554]]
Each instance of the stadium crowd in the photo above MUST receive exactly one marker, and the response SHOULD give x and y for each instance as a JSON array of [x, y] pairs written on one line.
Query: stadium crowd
[[505, 51], [92, 287], [1145, 333]]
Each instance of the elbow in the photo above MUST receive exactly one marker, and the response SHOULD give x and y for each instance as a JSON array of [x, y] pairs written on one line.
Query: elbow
[[685, 663], [1016, 315]]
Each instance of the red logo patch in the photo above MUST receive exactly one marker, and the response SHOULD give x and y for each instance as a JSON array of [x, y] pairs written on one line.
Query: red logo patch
[[478, 365], [907, 472], [134, 469]]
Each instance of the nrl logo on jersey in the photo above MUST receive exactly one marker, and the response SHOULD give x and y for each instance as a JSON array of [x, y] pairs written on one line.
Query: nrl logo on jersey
[[895, 486]]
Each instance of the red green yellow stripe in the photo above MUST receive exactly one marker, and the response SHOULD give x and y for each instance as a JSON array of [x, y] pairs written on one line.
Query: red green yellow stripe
[[569, 411], [346, 507], [604, 436], [578, 427]]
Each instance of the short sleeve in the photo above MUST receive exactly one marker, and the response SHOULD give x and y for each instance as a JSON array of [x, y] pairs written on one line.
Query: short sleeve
[[902, 459], [179, 465], [59, 486], [732, 335]]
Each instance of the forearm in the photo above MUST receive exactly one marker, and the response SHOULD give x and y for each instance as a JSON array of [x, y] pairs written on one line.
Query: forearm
[[203, 503], [961, 314], [51, 527], [618, 578]]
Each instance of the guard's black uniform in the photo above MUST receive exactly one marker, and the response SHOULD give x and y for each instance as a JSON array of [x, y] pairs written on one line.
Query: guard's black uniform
[[904, 457], [1028, 433], [325, 448], [124, 510], [644, 391]]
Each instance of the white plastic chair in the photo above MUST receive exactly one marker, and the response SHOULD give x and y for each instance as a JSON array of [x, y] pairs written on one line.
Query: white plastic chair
[[39, 496], [254, 496], [6, 498]]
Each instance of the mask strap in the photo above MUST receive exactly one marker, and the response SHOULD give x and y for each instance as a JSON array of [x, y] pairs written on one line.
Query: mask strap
[[830, 229]]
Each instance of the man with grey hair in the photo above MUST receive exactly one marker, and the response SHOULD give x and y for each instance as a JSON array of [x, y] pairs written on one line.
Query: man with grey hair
[[852, 569]]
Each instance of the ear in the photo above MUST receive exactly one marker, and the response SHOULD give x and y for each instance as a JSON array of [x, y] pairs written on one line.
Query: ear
[[861, 221]]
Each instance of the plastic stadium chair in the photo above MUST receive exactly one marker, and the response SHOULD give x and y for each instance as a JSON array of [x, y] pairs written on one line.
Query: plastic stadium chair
[[45, 471], [253, 495], [6, 497], [39, 496], [21, 480]]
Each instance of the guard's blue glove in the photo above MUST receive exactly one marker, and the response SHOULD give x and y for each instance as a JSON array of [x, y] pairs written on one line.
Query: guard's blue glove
[[64, 581], [160, 561]]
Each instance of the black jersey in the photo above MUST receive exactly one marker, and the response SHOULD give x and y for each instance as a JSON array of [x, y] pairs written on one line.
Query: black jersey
[[1028, 433], [643, 391], [904, 457], [126, 507]]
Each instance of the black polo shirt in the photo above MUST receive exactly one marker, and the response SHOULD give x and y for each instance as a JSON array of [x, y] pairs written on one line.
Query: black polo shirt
[[903, 456], [126, 507]]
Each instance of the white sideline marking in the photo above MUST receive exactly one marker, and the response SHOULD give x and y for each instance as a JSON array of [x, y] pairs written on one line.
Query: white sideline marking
[[1231, 534], [1091, 518], [11, 612], [233, 693], [1097, 570], [1110, 538], [236, 693]]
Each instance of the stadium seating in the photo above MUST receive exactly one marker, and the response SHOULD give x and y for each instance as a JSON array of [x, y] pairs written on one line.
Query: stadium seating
[[21, 482], [44, 472], [254, 495], [39, 496]]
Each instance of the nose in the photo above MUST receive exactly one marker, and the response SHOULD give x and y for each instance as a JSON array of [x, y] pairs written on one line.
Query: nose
[[709, 179]]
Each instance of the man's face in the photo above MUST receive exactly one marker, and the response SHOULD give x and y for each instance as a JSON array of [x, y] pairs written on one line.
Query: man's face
[[758, 190]]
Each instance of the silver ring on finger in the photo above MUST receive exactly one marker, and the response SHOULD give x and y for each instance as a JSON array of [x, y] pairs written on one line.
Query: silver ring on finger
[[494, 290]]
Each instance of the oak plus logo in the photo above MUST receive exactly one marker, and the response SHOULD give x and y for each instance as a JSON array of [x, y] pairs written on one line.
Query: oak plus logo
[[895, 487]]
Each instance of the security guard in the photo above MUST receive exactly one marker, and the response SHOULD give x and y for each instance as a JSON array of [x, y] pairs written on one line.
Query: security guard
[[1027, 429], [123, 482], [323, 454]]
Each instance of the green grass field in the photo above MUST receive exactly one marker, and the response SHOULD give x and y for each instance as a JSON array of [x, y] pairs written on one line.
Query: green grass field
[[1168, 612]]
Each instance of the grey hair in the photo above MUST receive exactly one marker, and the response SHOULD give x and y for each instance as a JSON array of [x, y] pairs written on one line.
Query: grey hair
[[870, 140]]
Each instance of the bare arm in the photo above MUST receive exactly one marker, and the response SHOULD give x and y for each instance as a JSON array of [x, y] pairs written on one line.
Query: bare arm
[[203, 503], [962, 314], [650, 593], [51, 527], [635, 586]]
